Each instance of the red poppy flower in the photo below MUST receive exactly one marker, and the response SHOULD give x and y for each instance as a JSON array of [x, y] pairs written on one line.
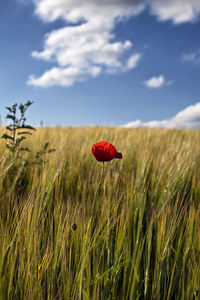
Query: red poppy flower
[[104, 151]]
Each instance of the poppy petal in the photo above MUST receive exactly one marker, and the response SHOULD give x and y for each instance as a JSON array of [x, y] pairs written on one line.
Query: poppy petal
[[104, 151]]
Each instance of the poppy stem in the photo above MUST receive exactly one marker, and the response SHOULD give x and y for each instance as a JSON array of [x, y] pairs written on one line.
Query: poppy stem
[[98, 187]]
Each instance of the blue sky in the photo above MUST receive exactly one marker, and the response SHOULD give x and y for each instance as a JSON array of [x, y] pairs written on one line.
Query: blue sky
[[107, 62]]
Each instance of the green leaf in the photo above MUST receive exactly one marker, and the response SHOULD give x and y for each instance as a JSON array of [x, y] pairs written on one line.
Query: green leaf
[[27, 127], [51, 150], [46, 146], [19, 140], [9, 128], [38, 154], [24, 149], [9, 109], [22, 108], [13, 108], [6, 136], [24, 132], [29, 103], [10, 147], [11, 117]]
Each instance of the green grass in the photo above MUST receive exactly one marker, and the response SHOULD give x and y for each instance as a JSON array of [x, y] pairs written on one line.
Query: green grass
[[139, 240]]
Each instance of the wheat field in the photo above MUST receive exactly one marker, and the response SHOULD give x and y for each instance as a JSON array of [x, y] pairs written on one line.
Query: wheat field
[[135, 237]]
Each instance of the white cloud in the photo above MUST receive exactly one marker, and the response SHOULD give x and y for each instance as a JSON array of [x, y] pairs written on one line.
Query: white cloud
[[64, 76], [155, 82], [187, 118], [178, 11], [193, 57], [86, 45], [87, 41], [133, 61], [76, 10]]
